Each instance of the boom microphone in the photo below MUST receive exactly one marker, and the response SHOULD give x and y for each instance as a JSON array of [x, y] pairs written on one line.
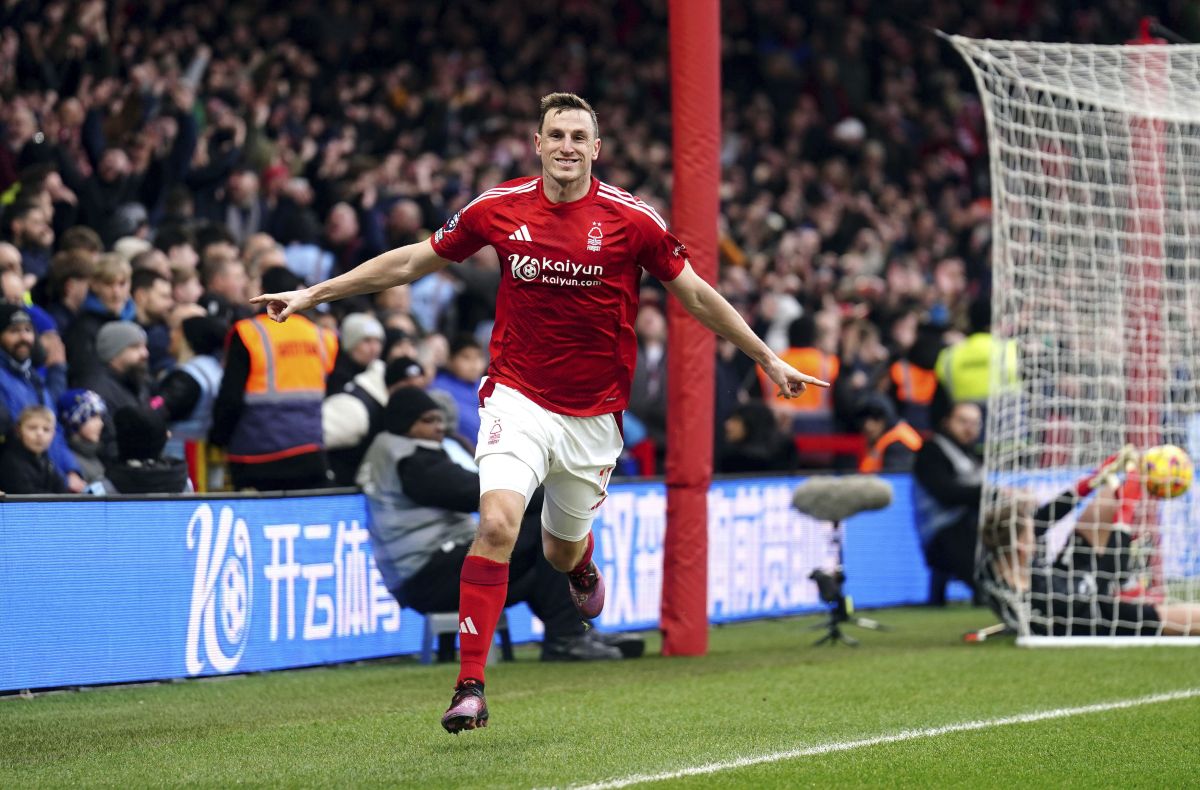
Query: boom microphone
[[829, 498]]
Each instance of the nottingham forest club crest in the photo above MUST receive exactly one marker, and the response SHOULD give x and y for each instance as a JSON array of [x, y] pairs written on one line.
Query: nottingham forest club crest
[[595, 238]]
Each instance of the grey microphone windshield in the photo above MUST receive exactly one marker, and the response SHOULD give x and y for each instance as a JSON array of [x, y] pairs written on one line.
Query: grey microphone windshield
[[836, 498]]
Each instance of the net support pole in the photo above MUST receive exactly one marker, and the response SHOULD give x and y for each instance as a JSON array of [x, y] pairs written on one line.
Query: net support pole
[[1145, 317], [695, 48], [1147, 374]]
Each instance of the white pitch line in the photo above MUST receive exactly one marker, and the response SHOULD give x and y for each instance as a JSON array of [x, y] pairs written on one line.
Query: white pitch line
[[903, 735]]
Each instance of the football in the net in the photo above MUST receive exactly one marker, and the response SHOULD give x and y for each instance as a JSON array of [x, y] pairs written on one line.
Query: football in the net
[[1167, 471]]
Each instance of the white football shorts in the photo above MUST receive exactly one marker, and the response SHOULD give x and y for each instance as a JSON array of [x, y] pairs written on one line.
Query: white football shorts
[[573, 456]]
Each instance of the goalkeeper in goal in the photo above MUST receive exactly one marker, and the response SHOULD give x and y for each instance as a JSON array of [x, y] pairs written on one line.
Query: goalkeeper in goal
[[1089, 588]]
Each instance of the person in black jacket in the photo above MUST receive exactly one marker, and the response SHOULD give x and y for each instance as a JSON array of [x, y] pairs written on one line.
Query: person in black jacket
[[120, 377], [421, 528], [142, 468], [754, 443], [25, 467], [949, 484]]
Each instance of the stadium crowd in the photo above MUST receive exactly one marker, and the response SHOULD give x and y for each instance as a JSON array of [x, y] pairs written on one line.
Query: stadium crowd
[[160, 160]]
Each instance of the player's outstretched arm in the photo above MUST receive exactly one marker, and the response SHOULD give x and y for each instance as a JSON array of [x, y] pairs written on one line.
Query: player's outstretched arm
[[394, 267], [710, 308]]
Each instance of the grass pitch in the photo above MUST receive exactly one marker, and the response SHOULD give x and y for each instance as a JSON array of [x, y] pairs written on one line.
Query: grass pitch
[[763, 691]]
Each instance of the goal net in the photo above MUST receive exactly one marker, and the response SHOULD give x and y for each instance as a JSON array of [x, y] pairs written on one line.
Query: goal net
[[1095, 172]]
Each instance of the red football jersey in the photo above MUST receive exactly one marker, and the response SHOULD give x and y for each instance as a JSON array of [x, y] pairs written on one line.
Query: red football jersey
[[568, 296]]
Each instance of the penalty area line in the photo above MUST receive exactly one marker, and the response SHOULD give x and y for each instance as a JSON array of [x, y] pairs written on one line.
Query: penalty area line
[[896, 737]]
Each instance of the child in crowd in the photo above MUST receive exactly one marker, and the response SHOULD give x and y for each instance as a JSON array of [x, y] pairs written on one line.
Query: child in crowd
[[81, 413], [24, 466]]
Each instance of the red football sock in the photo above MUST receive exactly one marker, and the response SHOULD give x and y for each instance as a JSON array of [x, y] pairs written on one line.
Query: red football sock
[[482, 588], [587, 555]]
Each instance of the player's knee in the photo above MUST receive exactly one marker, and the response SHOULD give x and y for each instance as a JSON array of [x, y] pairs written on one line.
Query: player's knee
[[497, 532], [564, 535]]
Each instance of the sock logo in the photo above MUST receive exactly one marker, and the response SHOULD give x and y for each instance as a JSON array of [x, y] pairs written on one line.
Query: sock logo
[[467, 626]]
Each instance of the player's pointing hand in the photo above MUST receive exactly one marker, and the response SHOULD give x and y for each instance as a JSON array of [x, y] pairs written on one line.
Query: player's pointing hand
[[792, 383], [281, 305]]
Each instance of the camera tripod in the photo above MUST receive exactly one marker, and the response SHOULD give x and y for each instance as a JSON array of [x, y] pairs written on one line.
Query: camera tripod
[[829, 587]]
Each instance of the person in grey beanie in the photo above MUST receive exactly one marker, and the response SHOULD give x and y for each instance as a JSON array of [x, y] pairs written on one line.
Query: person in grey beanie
[[121, 378]]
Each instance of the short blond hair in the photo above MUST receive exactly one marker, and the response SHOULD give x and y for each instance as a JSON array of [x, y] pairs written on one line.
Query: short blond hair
[[111, 268], [1001, 522], [36, 410]]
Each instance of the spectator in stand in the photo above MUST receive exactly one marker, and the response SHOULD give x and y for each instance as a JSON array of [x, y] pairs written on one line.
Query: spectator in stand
[[948, 492], [81, 414], [107, 197], [42, 185], [268, 409], [31, 231], [460, 378], [130, 247], [13, 291], [863, 370], [152, 303], [648, 393], [398, 343], [189, 391], [405, 224], [107, 300], [892, 444], [242, 210], [83, 239], [66, 286], [179, 244], [361, 343], [225, 281], [20, 125], [268, 255], [421, 528], [122, 378], [141, 467], [25, 465], [754, 443], [912, 378], [965, 368], [153, 260], [353, 417], [344, 239], [21, 386], [186, 287], [813, 344]]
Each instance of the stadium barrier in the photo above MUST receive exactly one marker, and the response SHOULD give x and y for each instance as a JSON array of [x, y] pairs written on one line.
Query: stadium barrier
[[113, 590]]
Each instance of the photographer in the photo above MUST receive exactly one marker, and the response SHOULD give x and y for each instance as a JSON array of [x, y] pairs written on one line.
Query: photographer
[[949, 481]]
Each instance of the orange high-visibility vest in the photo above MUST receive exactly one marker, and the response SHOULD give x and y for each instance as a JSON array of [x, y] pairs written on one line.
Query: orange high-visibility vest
[[814, 362], [914, 384], [289, 363], [902, 432]]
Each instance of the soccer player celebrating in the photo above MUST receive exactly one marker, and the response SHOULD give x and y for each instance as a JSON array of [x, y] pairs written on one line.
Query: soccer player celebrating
[[563, 351]]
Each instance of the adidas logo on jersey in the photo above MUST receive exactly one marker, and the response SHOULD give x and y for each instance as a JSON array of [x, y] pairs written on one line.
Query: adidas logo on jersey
[[520, 234]]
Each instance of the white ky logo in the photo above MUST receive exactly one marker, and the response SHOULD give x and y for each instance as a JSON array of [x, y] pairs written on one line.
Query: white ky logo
[[222, 590], [525, 268]]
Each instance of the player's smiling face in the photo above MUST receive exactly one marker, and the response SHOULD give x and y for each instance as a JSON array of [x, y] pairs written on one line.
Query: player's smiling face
[[567, 145]]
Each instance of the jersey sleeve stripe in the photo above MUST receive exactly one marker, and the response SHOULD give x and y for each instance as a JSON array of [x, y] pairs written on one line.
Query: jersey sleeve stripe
[[638, 206], [502, 191]]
